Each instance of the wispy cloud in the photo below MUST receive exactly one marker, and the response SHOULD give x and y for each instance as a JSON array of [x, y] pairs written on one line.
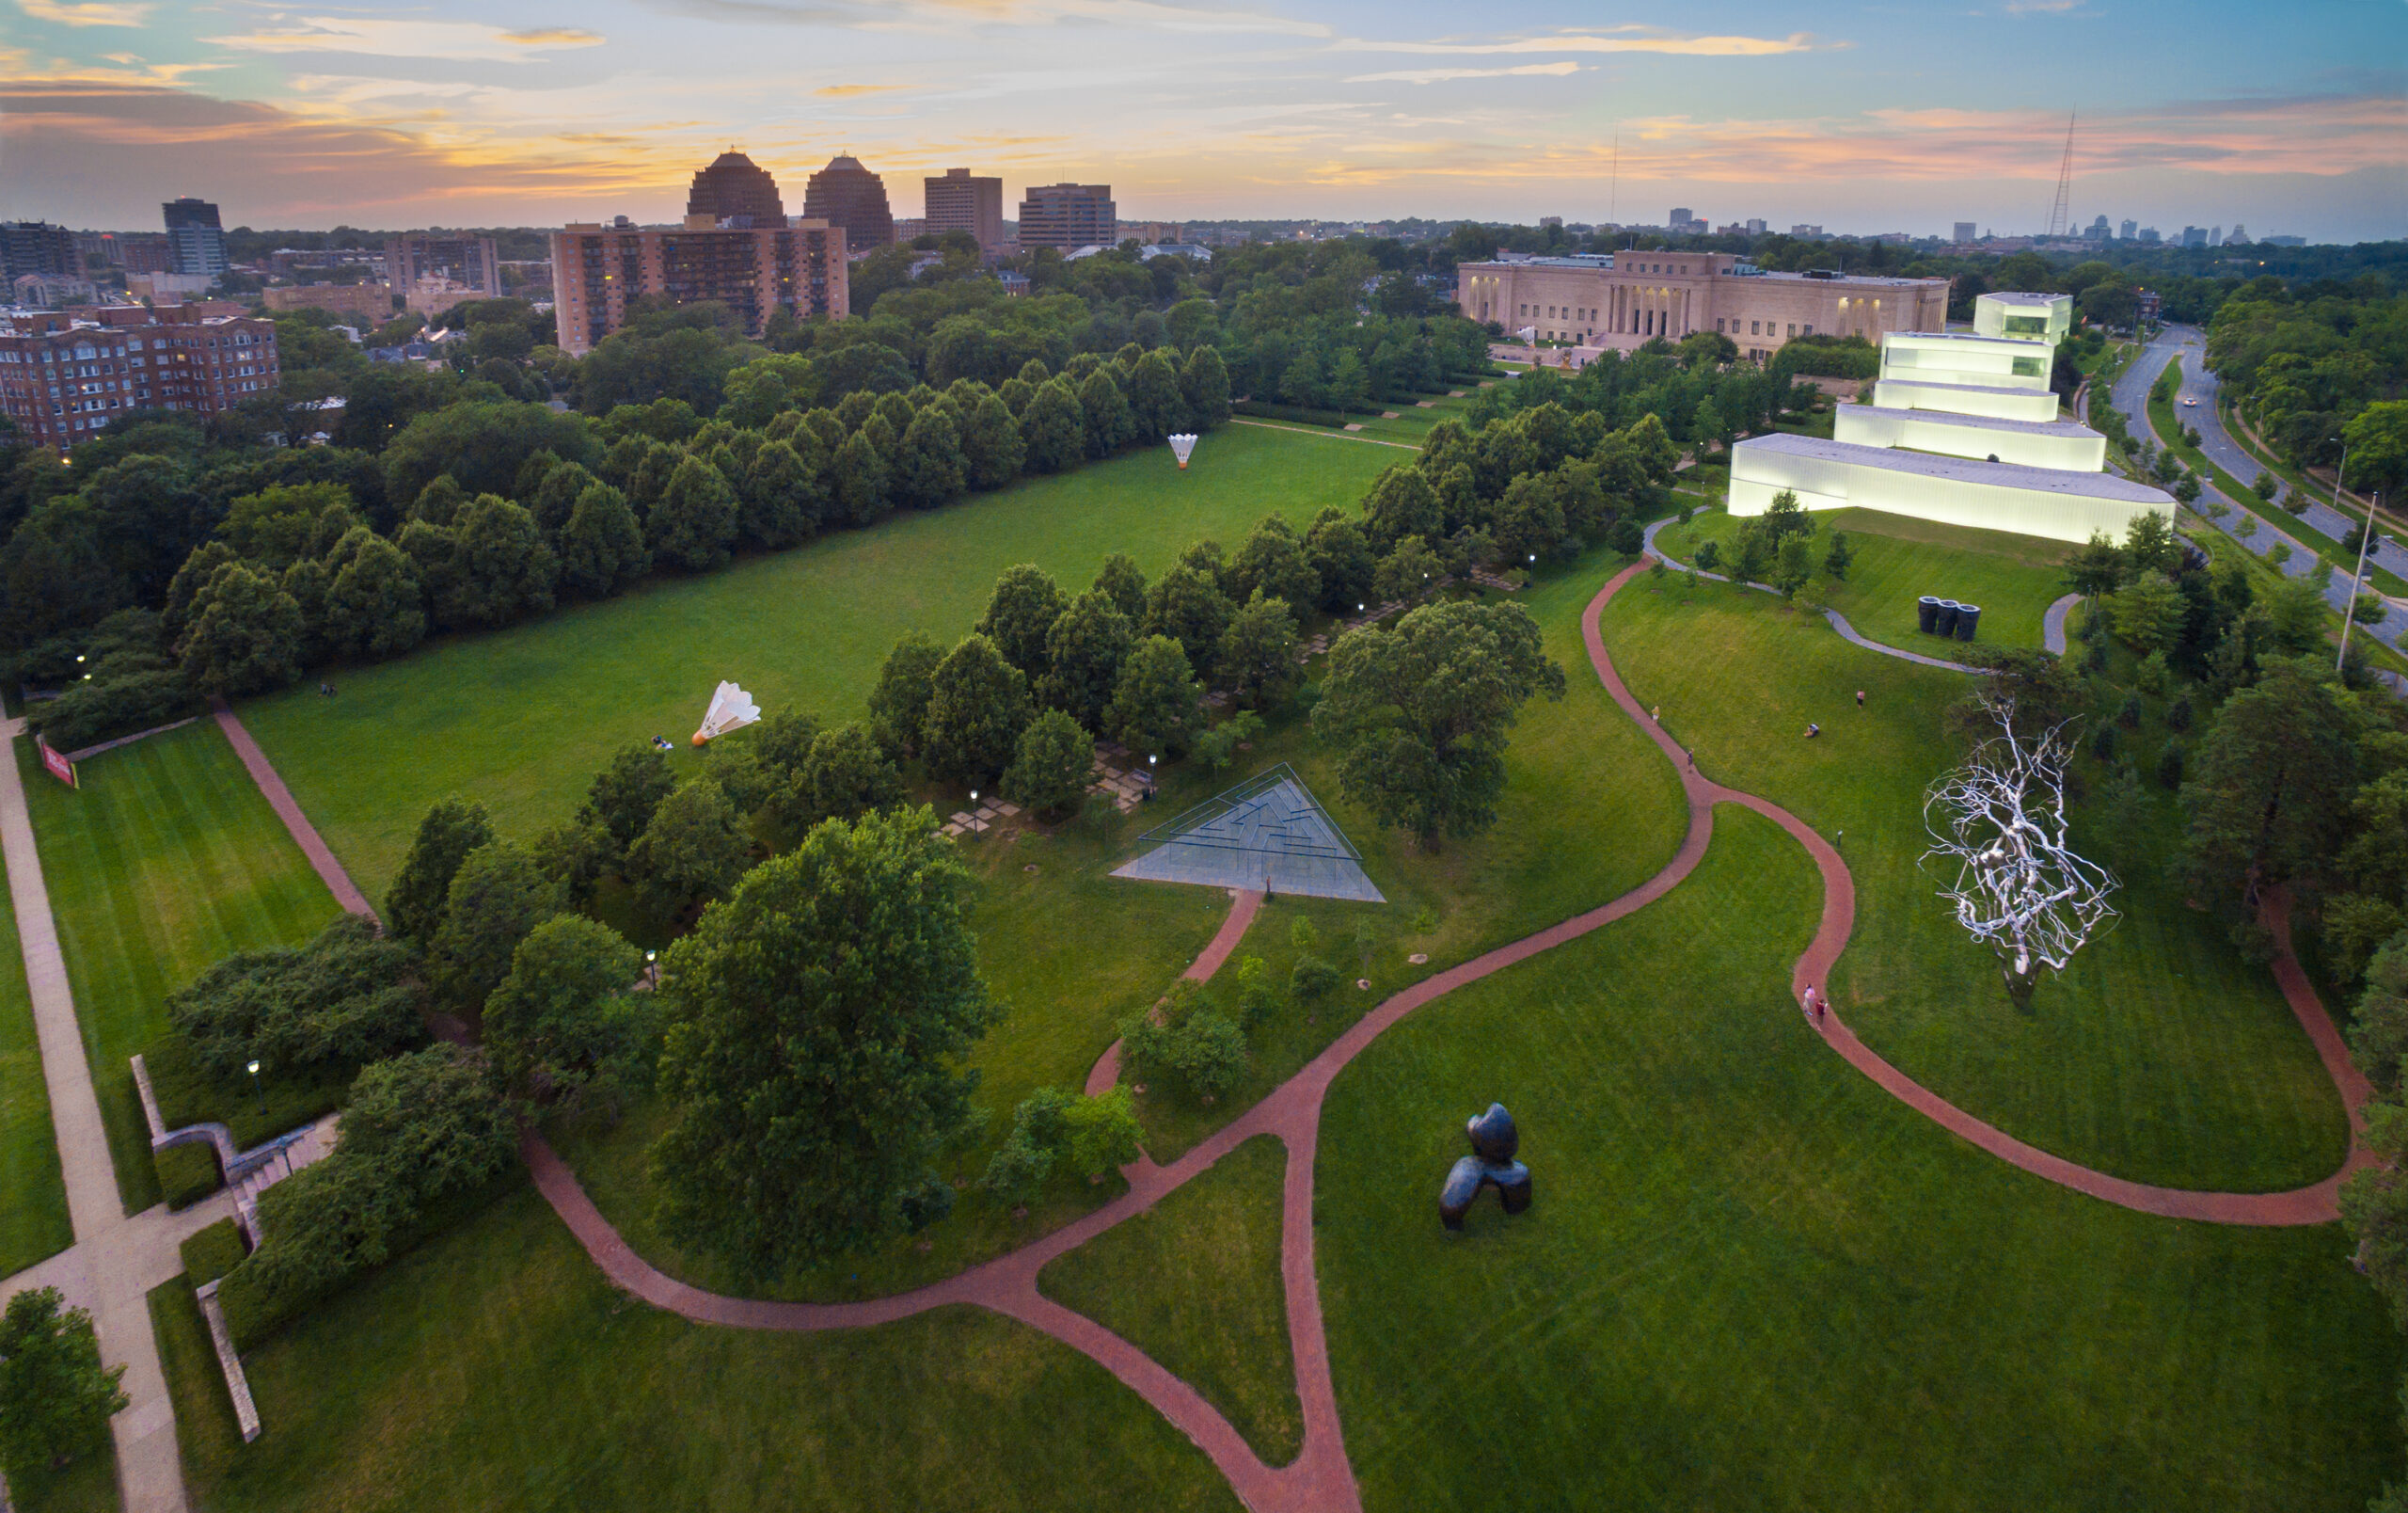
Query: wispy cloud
[[91, 13], [849, 91], [920, 14], [1440, 75], [456, 41], [1608, 40]]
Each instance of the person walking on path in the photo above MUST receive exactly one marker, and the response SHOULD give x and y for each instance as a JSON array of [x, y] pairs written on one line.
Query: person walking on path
[[1656, 714]]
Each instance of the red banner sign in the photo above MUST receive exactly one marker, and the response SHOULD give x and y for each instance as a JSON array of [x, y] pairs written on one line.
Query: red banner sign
[[60, 767]]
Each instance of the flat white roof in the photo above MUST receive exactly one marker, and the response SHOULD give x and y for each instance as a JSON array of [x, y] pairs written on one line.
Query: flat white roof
[[2022, 297], [2020, 348], [1983, 423], [1960, 388], [1960, 470]]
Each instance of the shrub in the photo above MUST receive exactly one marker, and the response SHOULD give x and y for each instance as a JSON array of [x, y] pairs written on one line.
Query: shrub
[[2178, 714], [1088, 1137], [187, 1173], [1312, 979], [211, 1252], [90, 713], [1186, 1043], [345, 999], [2169, 765], [1257, 999], [2103, 743]]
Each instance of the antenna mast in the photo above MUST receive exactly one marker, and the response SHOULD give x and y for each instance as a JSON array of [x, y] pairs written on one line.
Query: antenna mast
[[1613, 194], [2059, 216]]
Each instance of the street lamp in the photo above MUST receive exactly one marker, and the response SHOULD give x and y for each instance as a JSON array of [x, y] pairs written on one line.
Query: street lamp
[[1151, 759], [652, 968], [256, 1088]]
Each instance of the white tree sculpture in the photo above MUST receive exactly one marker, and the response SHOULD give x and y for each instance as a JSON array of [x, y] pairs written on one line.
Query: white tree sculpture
[[2019, 888]]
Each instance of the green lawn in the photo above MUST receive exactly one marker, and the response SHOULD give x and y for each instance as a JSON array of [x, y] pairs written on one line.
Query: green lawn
[[2162, 1056], [495, 1369], [1194, 1282], [1752, 1280], [166, 860], [1073, 951], [2013, 578], [523, 718], [32, 1200]]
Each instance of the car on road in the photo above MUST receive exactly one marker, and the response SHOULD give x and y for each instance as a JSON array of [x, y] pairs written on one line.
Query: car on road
[[2189, 402]]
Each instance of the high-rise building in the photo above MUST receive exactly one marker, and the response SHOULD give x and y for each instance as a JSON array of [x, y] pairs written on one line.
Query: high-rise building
[[37, 246], [1679, 217], [139, 251], [198, 239], [1964, 232], [447, 257], [1757, 226], [1068, 216], [1801, 228], [962, 202], [2240, 236], [736, 188], [847, 194], [597, 271], [62, 379], [2195, 236], [2150, 237], [2128, 229], [2215, 236]]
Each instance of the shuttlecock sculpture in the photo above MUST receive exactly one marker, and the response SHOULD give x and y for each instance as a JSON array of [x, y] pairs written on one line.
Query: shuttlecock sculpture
[[730, 706], [1183, 446]]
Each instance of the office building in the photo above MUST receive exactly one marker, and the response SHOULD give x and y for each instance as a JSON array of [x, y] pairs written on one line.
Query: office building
[[2130, 230], [1757, 226], [960, 201], [37, 246], [2240, 236], [2149, 236], [733, 188], [450, 257], [197, 240], [62, 379], [1622, 301], [2195, 236], [2098, 231], [1963, 429], [1801, 228], [138, 252], [1067, 217], [1964, 232], [845, 195], [597, 271]]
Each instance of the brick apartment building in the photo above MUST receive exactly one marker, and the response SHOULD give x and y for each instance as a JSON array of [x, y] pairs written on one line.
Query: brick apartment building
[[1068, 216], [597, 271], [64, 376]]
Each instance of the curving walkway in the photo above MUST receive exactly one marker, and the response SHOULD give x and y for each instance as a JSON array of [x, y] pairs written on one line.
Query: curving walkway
[[1839, 622], [1321, 1477], [2052, 625]]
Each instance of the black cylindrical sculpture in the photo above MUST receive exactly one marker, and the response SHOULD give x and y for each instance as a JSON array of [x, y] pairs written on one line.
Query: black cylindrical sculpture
[[1968, 616], [1494, 1142], [1945, 623], [1927, 613]]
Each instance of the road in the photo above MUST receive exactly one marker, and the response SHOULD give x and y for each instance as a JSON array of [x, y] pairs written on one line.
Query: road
[[2131, 397]]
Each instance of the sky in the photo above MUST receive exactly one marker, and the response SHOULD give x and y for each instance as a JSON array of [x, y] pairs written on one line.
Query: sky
[[2286, 116]]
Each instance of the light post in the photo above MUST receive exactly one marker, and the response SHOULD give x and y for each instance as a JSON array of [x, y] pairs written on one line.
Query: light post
[[1151, 759], [257, 1087], [652, 969], [2366, 539]]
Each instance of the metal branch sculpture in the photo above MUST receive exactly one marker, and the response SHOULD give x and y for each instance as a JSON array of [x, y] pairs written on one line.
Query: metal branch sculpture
[[2019, 888]]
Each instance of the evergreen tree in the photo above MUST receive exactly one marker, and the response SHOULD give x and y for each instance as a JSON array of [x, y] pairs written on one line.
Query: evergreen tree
[[780, 499], [247, 636], [1051, 766], [376, 606], [496, 897], [1083, 651], [1106, 410], [930, 469], [602, 548], [1054, 428], [991, 447], [1154, 704], [423, 889], [1120, 580], [1156, 405], [1021, 615], [691, 851], [860, 480], [977, 706], [1204, 384], [899, 706], [1187, 605], [1259, 654], [693, 527]]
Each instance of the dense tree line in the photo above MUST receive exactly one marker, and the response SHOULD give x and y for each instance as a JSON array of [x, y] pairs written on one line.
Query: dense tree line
[[2320, 366]]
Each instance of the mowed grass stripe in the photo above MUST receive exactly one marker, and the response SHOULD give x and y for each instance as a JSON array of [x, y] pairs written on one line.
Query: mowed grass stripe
[[522, 718], [166, 860], [1752, 1280], [33, 1199]]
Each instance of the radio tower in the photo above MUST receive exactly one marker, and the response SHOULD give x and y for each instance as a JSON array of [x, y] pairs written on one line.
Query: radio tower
[[2059, 216]]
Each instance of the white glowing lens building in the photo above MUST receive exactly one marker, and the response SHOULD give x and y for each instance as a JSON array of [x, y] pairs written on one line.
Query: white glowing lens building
[[1963, 429]]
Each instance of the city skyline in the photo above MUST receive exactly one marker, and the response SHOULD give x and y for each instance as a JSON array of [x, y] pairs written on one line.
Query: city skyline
[[1868, 122]]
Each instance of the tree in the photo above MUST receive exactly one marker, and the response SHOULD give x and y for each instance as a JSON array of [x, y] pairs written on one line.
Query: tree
[[601, 547], [1054, 427], [2150, 546], [1259, 659], [2097, 568], [1110, 426], [992, 448], [1204, 384], [1407, 572], [2377, 437], [1154, 704], [861, 474], [692, 851], [508, 571], [1187, 604], [978, 704], [1272, 561], [1419, 712], [1120, 580], [1186, 1044], [450, 829], [1021, 615], [931, 468], [820, 1018], [563, 1021], [693, 527], [285, 522], [2038, 691], [2148, 611], [55, 1397], [496, 897], [246, 636], [344, 999], [1401, 503], [1051, 766], [1793, 565], [623, 794], [899, 706], [782, 496], [844, 776], [1083, 651], [2273, 780], [1052, 1128], [480, 444], [1836, 560], [1156, 407], [1342, 560]]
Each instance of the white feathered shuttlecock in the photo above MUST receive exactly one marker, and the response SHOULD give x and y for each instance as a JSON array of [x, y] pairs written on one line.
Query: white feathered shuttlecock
[[730, 706], [1183, 446]]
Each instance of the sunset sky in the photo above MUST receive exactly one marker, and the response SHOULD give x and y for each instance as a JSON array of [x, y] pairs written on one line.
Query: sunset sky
[[2285, 116]]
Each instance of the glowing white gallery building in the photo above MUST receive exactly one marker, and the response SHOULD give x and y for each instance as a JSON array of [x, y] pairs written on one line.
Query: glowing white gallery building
[[1963, 428]]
